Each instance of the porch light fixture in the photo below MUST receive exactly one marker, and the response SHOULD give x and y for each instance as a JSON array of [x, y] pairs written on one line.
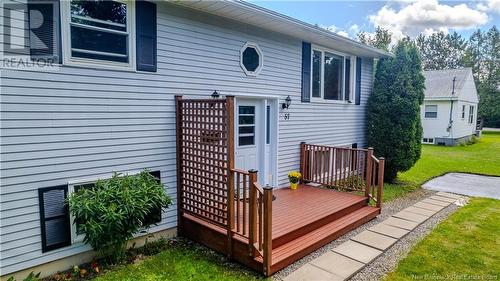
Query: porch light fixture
[[215, 95], [287, 103]]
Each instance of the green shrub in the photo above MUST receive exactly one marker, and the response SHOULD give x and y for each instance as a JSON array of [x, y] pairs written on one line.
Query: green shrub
[[113, 210], [393, 113], [473, 139]]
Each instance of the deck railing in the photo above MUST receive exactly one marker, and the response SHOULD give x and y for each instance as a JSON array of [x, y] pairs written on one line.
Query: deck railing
[[251, 217], [344, 168]]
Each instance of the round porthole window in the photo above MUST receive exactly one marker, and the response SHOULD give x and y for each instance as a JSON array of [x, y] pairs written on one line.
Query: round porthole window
[[251, 59]]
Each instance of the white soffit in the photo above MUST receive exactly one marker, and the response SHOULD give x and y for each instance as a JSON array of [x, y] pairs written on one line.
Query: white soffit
[[263, 18]]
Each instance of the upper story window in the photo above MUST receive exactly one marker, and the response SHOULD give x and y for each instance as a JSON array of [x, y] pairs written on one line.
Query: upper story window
[[332, 77], [431, 111], [471, 114], [99, 32], [463, 111], [251, 59]]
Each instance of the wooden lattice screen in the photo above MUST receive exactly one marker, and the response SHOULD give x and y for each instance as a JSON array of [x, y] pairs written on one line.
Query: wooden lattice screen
[[204, 157]]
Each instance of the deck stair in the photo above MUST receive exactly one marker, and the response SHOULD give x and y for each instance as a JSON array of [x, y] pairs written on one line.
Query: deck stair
[[296, 234]]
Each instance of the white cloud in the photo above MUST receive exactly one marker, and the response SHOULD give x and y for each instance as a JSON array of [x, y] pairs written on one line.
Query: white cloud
[[343, 33], [336, 29], [489, 6], [354, 29], [427, 16]]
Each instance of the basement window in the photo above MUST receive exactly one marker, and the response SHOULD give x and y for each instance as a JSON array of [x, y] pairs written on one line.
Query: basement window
[[428, 140], [153, 217]]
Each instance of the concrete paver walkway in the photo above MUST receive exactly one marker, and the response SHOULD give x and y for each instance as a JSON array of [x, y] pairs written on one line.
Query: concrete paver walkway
[[348, 258], [467, 184]]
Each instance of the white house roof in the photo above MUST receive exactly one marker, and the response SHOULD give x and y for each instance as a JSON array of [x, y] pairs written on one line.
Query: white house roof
[[439, 83], [270, 20]]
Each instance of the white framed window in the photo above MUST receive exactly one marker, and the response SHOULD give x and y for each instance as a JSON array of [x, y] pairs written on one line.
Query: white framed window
[[251, 59], [333, 75], [153, 217], [246, 125], [431, 111], [99, 33], [471, 114], [428, 140], [463, 111], [76, 235]]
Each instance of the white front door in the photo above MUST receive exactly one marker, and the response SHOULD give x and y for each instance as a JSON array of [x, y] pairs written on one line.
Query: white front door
[[256, 137], [248, 134]]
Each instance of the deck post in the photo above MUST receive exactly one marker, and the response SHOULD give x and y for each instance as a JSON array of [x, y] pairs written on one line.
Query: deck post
[[268, 225], [178, 153], [380, 181], [302, 162], [252, 212], [230, 180], [369, 163]]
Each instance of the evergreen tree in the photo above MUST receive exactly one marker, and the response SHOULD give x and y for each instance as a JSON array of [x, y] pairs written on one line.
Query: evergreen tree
[[394, 128], [483, 56], [441, 51], [381, 39]]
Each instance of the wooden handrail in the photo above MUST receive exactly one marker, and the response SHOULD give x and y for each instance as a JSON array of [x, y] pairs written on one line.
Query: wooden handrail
[[345, 168], [240, 171], [259, 187]]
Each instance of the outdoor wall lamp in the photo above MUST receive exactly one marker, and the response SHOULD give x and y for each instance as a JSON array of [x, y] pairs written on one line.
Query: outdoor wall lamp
[[287, 103], [215, 95]]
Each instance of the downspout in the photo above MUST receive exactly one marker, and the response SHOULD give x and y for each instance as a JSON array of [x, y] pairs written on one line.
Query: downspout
[[450, 124]]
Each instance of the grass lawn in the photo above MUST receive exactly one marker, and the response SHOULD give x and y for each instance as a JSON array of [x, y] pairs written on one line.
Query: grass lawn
[[464, 247], [468, 239], [480, 158], [182, 261]]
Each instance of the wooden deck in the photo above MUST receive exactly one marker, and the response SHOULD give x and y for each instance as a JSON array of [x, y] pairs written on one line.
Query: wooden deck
[[227, 209], [303, 221]]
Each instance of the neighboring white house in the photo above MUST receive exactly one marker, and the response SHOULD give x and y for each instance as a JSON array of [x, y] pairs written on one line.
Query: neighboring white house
[[449, 111], [108, 102]]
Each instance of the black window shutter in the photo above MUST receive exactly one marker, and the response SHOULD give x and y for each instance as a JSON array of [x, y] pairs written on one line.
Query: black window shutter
[[45, 33], [306, 72], [358, 81], [54, 217], [154, 216], [146, 36]]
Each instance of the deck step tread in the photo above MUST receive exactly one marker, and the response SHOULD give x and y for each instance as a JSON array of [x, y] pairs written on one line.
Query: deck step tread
[[327, 204], [313, 240]]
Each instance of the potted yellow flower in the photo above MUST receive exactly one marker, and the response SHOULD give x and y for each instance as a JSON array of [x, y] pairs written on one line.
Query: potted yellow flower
[[294, 178]]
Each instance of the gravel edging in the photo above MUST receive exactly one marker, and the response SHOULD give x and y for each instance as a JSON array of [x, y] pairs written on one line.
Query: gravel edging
[[389, 259]]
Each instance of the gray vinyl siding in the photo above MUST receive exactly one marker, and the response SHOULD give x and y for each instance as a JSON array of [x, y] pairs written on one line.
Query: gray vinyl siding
[[75, 123]]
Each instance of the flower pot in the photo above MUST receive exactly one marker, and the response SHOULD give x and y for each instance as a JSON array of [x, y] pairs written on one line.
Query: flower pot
[[293, 186]]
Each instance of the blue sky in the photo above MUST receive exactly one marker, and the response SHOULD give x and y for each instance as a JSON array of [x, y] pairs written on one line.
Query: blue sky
[[403, 17]]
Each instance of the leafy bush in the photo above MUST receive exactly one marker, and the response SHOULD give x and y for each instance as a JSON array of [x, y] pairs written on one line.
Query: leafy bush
[[110, 212], [473, 139], [394, 128]]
